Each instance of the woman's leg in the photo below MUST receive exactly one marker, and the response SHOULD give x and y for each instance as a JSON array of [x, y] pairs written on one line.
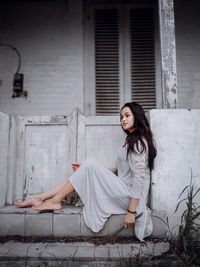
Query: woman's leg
[[38, 199], [55, 202]]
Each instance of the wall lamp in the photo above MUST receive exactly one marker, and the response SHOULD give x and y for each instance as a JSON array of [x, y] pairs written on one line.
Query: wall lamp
[[18, 79]]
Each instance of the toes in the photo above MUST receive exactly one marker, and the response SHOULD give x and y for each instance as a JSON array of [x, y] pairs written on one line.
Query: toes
[[47, 206]]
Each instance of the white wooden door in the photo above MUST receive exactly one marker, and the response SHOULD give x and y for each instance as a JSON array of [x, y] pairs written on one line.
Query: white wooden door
[[42, 149]]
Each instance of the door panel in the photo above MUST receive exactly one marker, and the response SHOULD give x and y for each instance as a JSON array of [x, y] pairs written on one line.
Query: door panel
[[46, 157]]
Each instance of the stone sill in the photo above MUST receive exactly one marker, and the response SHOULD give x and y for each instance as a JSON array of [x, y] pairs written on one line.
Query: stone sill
[[66, 222], [81, 251]]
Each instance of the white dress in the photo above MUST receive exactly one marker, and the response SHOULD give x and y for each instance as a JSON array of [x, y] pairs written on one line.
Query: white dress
[[104, 193]]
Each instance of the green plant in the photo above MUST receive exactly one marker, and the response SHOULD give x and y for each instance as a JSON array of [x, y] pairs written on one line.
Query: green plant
[[186, 245]]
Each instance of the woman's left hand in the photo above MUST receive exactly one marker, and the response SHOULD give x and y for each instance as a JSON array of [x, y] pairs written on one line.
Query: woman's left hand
[[75, 166], [129, 220]]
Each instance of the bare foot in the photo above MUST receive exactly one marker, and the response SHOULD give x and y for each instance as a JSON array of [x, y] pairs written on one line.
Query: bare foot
[[34, 201], [47, 205]]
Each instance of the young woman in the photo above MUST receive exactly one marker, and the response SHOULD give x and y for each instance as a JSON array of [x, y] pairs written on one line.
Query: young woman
[[121, 190]]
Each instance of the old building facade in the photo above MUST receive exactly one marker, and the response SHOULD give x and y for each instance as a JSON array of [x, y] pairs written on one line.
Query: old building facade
[[82, 60]]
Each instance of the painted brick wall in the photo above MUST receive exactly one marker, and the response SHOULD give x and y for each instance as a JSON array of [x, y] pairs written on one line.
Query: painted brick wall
[[48, 35], [187, 23]]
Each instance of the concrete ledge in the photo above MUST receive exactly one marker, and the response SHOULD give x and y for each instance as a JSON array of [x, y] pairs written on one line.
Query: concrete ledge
[[12, 224], [154, 254], [159, 228], [81, 251], [85, 231], [67, 222], [38, 224]]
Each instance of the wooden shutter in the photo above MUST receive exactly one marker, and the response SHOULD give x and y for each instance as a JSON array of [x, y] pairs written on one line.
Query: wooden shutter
[[142, 57], [107, 61]]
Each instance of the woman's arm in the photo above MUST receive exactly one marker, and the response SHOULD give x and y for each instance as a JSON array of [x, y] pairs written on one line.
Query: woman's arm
[[138, 163], [138, 166], [129, 219]]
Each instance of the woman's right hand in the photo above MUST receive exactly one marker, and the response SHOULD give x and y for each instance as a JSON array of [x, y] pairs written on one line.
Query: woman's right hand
[[76, 165], [129, 220]]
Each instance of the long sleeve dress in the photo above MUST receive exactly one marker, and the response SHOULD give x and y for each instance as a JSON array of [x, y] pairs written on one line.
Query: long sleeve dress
[[108, 191]]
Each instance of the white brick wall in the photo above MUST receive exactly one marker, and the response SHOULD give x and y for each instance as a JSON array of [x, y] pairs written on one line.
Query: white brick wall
[[49, 38], [187, 24]]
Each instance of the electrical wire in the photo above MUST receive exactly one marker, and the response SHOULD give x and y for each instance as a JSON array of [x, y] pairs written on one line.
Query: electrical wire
[[18, 54]]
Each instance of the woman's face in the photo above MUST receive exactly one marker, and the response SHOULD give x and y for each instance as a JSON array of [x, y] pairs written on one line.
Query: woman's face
[[127, 119]]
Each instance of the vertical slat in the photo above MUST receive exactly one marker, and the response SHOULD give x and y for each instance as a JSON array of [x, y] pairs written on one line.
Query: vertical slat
[[107, 61], [142, 57]]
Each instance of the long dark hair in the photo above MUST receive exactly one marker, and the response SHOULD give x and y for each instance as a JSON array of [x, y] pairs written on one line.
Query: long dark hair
[[142, 131]]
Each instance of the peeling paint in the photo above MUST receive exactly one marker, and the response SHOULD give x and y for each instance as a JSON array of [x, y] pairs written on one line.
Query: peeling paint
[[5, 133], [45, 153], [168, 54]]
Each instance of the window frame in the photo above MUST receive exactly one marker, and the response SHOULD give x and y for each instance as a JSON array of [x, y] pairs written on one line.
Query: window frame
[[124, 54]]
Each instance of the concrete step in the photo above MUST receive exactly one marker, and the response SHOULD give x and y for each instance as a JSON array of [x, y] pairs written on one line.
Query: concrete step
[[66, 222], [85, 254]]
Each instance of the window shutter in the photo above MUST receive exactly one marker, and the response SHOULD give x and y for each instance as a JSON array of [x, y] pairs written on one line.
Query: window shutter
[[107, 61], [142, 57]]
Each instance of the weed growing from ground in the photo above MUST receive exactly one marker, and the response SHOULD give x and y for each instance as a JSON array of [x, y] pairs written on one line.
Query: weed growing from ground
[[186, 245]]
